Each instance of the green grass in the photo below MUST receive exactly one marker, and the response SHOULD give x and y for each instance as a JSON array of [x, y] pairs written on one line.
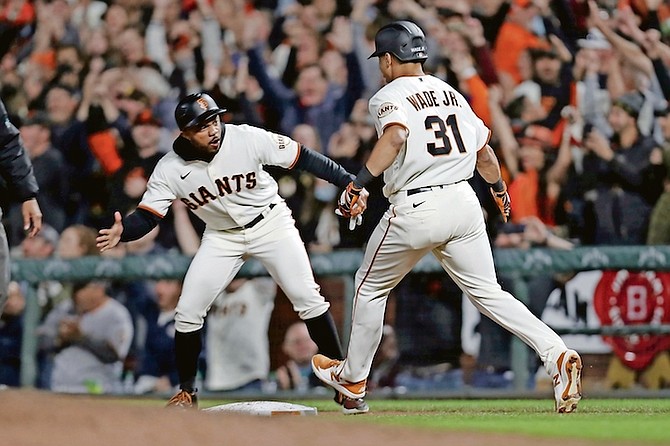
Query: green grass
[[638, 421]]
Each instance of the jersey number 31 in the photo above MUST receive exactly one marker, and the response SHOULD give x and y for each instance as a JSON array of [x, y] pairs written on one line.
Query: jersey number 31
[[441, 133]]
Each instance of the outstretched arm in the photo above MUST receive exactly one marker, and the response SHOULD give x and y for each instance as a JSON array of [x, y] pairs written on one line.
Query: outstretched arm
[[136, 225], [323, 167], [327, 169]]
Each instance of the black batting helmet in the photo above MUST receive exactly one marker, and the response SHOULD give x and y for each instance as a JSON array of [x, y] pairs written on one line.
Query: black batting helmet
[[196, 109], [404, 39]]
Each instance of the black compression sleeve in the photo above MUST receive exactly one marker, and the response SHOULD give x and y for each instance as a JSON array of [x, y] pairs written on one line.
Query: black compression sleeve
[[323, 167], [364, 177], [138, 224]]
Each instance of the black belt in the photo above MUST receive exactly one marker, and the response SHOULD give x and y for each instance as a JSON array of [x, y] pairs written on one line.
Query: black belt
[[419, 190], [260, 217]]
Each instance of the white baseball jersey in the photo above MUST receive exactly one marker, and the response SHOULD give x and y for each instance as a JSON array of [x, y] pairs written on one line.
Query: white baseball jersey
[[227, 193], [230, 190], [433, 210], [444, 132], [238, 348]]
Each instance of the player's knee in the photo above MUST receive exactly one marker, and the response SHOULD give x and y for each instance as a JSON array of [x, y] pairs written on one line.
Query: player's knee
[[185, 323], [312, 311]]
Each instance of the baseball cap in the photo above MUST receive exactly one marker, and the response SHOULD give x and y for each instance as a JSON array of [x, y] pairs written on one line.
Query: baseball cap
[[540, 52], [523, 3], [595, 40], [631, 103], [146, 117], [49, 234], [79, 284], [35, 118], [662, 111]]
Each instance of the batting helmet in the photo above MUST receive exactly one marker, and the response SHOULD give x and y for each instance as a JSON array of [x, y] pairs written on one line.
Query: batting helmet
[[196, 109], [404, 39]]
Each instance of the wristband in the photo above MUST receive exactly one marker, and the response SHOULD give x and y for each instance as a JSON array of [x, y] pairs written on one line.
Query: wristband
[[498, 186], [363, 178]]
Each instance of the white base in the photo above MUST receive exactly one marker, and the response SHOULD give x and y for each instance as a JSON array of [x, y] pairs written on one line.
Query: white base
[[264, 408]]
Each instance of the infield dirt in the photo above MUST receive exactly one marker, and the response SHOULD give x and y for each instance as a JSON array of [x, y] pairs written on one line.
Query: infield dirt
[[34, 418]]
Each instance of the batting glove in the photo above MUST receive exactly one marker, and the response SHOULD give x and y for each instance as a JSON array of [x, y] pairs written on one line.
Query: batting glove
[[502, 199], [348, 199]]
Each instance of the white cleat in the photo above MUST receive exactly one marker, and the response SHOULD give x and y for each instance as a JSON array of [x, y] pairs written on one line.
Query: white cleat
[[567, 378], [326, 370]]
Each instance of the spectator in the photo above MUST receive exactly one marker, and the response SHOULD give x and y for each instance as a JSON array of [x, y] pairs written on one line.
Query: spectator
[[535, 188], [514, 38], [48, 166], [237, 346], [313, 100], [49, 293], [69, 137], [549, 89], [42, 247], [89, 337], [77, 241], [659, 225], [157, 370], [11, 336], [385, 364], [296, 373], [623, 192], [594, 61], [428, 329], [466, 57], [130, 181]]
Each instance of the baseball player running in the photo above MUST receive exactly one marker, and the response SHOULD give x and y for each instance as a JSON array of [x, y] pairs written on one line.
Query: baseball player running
[[217, 172], [430, 142]]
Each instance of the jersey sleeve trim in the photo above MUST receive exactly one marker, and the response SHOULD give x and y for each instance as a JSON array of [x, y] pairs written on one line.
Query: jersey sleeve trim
[[488, 138], [297, 156], [394, 123], [150, 210]]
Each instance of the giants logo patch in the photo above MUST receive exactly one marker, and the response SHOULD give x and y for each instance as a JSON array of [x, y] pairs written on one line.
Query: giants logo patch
[[386, 109], [202, 103], [634, 298]]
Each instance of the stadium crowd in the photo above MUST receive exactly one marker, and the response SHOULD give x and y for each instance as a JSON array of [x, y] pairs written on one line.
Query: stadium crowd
[[576, 93]]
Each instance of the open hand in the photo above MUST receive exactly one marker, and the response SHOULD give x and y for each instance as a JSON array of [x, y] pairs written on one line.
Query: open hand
[[109, 238]]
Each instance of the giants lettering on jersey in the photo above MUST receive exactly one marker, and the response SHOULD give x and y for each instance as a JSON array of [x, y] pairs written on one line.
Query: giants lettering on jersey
[[225, 185], [424, 99], [385, 109]]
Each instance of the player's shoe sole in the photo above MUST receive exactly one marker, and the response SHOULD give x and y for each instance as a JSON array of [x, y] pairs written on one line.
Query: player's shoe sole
[[351, 407], [326, 370], [568, 381], [355, 407]]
